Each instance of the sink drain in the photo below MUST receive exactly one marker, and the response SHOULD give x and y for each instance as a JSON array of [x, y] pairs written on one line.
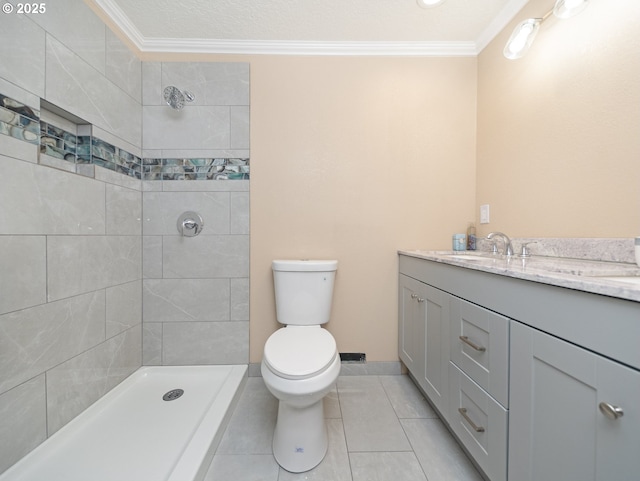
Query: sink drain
[[173, 395]]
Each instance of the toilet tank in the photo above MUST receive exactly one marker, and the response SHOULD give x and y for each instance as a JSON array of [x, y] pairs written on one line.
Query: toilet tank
[[304, 290]]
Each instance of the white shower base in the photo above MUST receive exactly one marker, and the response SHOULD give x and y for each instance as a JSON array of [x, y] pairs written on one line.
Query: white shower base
[[131, 434]]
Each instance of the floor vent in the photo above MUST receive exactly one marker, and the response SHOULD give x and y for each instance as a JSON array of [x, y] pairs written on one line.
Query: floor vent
[[353, 357]]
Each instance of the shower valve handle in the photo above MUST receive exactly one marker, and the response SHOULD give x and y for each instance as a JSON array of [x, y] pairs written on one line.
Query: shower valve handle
[[190, 224]]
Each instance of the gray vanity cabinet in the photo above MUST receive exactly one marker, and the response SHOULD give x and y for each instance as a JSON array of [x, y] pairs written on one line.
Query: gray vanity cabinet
[[423, 337], [543, 381], [563, 421]]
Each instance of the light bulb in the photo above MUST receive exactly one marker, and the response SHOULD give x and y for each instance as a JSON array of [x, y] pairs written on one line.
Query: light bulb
[[569, 8], [429, 3], [522, 38]]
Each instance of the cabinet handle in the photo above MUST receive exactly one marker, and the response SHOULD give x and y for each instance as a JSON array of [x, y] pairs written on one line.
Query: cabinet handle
[[463, 412], [611, 411], [415, 296], [466, 340]]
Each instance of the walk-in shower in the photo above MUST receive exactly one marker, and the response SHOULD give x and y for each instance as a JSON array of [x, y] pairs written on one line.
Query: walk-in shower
[[175, 98]]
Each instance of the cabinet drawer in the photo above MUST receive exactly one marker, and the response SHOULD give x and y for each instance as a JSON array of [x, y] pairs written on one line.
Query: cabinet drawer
[[480, 347], [480, 422]]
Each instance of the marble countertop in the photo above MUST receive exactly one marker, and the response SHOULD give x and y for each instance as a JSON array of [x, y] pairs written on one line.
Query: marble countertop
[[584, 275]]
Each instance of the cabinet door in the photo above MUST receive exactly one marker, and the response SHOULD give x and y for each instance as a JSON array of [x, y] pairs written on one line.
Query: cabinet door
[[435, 317], [410, 326], [556, 430]]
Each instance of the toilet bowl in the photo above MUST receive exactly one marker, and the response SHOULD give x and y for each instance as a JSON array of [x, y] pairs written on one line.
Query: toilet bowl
[[301, 362]]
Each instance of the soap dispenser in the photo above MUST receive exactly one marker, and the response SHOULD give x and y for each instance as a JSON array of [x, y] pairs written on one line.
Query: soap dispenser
[[471, 237]]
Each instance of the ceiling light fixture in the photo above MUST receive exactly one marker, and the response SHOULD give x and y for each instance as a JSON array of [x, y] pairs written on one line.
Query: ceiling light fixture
[[429, 3], [569, 8], [523, 35]]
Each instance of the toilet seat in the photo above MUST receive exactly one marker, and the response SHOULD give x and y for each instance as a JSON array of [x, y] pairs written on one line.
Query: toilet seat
[[299, 352]]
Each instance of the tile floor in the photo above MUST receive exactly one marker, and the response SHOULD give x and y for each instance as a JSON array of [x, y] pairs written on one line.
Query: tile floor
[[380, 429]]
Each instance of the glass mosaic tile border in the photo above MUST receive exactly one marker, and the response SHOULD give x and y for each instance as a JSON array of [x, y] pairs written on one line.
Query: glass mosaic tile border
[[19, 121], [23, 123], [196, 169]]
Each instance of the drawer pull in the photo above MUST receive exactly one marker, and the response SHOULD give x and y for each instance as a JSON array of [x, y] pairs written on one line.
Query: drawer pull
[[466, 340], [463, 412], [611, 411]]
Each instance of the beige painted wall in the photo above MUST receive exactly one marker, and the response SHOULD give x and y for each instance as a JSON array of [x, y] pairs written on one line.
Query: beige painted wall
[[559, 130], [351, 159]]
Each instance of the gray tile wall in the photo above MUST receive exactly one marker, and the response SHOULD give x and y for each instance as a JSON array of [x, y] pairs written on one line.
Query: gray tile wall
[[70, 246], [196, 290], [71, 249]]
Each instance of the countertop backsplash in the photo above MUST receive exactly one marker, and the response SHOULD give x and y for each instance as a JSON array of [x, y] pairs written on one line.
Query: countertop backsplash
[[599, 249]]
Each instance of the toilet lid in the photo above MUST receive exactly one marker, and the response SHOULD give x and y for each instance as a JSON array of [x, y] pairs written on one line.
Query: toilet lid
[[298, 352]]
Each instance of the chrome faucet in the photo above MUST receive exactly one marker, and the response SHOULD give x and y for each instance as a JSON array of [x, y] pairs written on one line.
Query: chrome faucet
[[508, 248]]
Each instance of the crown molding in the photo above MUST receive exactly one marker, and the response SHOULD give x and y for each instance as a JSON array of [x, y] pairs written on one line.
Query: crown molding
[[285, 47]]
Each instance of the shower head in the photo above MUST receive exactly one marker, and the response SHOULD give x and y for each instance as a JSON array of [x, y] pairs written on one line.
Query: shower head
[[176, 98]]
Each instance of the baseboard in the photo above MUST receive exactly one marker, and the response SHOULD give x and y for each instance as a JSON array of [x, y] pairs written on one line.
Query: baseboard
[[390, 368]]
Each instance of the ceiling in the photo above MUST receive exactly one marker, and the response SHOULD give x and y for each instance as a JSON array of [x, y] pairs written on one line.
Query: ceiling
[[343, 27]]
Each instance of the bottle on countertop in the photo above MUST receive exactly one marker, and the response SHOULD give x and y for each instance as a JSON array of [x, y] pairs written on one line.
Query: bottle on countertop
[[471, 237]]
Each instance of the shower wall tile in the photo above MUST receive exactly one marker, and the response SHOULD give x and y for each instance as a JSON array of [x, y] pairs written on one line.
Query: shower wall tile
[[240, 185], [23, 420], [18, 149], [38, 200], [23, 265], [219, 83], [239, 213], [162, 210], [152, 344], [193, 127], [123, 307], [20, 39], [124, 211], [205, 343], [152, 83], [76, 26], [75, 86], [116, 178], [38, 338], [116, 141], [152, 258], [123, 68], [77, 264], [17, 93], [181, 300], [205, 256], [76, 384], [239, 118], [239, 299]]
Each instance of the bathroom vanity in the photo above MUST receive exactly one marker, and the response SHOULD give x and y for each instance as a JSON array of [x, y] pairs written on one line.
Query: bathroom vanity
[[533, 363]]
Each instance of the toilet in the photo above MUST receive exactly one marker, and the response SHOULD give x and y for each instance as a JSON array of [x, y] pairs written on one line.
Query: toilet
[[301, 362]]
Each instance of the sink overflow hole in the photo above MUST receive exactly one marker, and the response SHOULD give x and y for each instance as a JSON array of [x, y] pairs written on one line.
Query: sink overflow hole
[[173, 395]]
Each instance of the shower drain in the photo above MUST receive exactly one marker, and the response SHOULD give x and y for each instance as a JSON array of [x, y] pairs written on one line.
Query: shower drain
[[173, 395]]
